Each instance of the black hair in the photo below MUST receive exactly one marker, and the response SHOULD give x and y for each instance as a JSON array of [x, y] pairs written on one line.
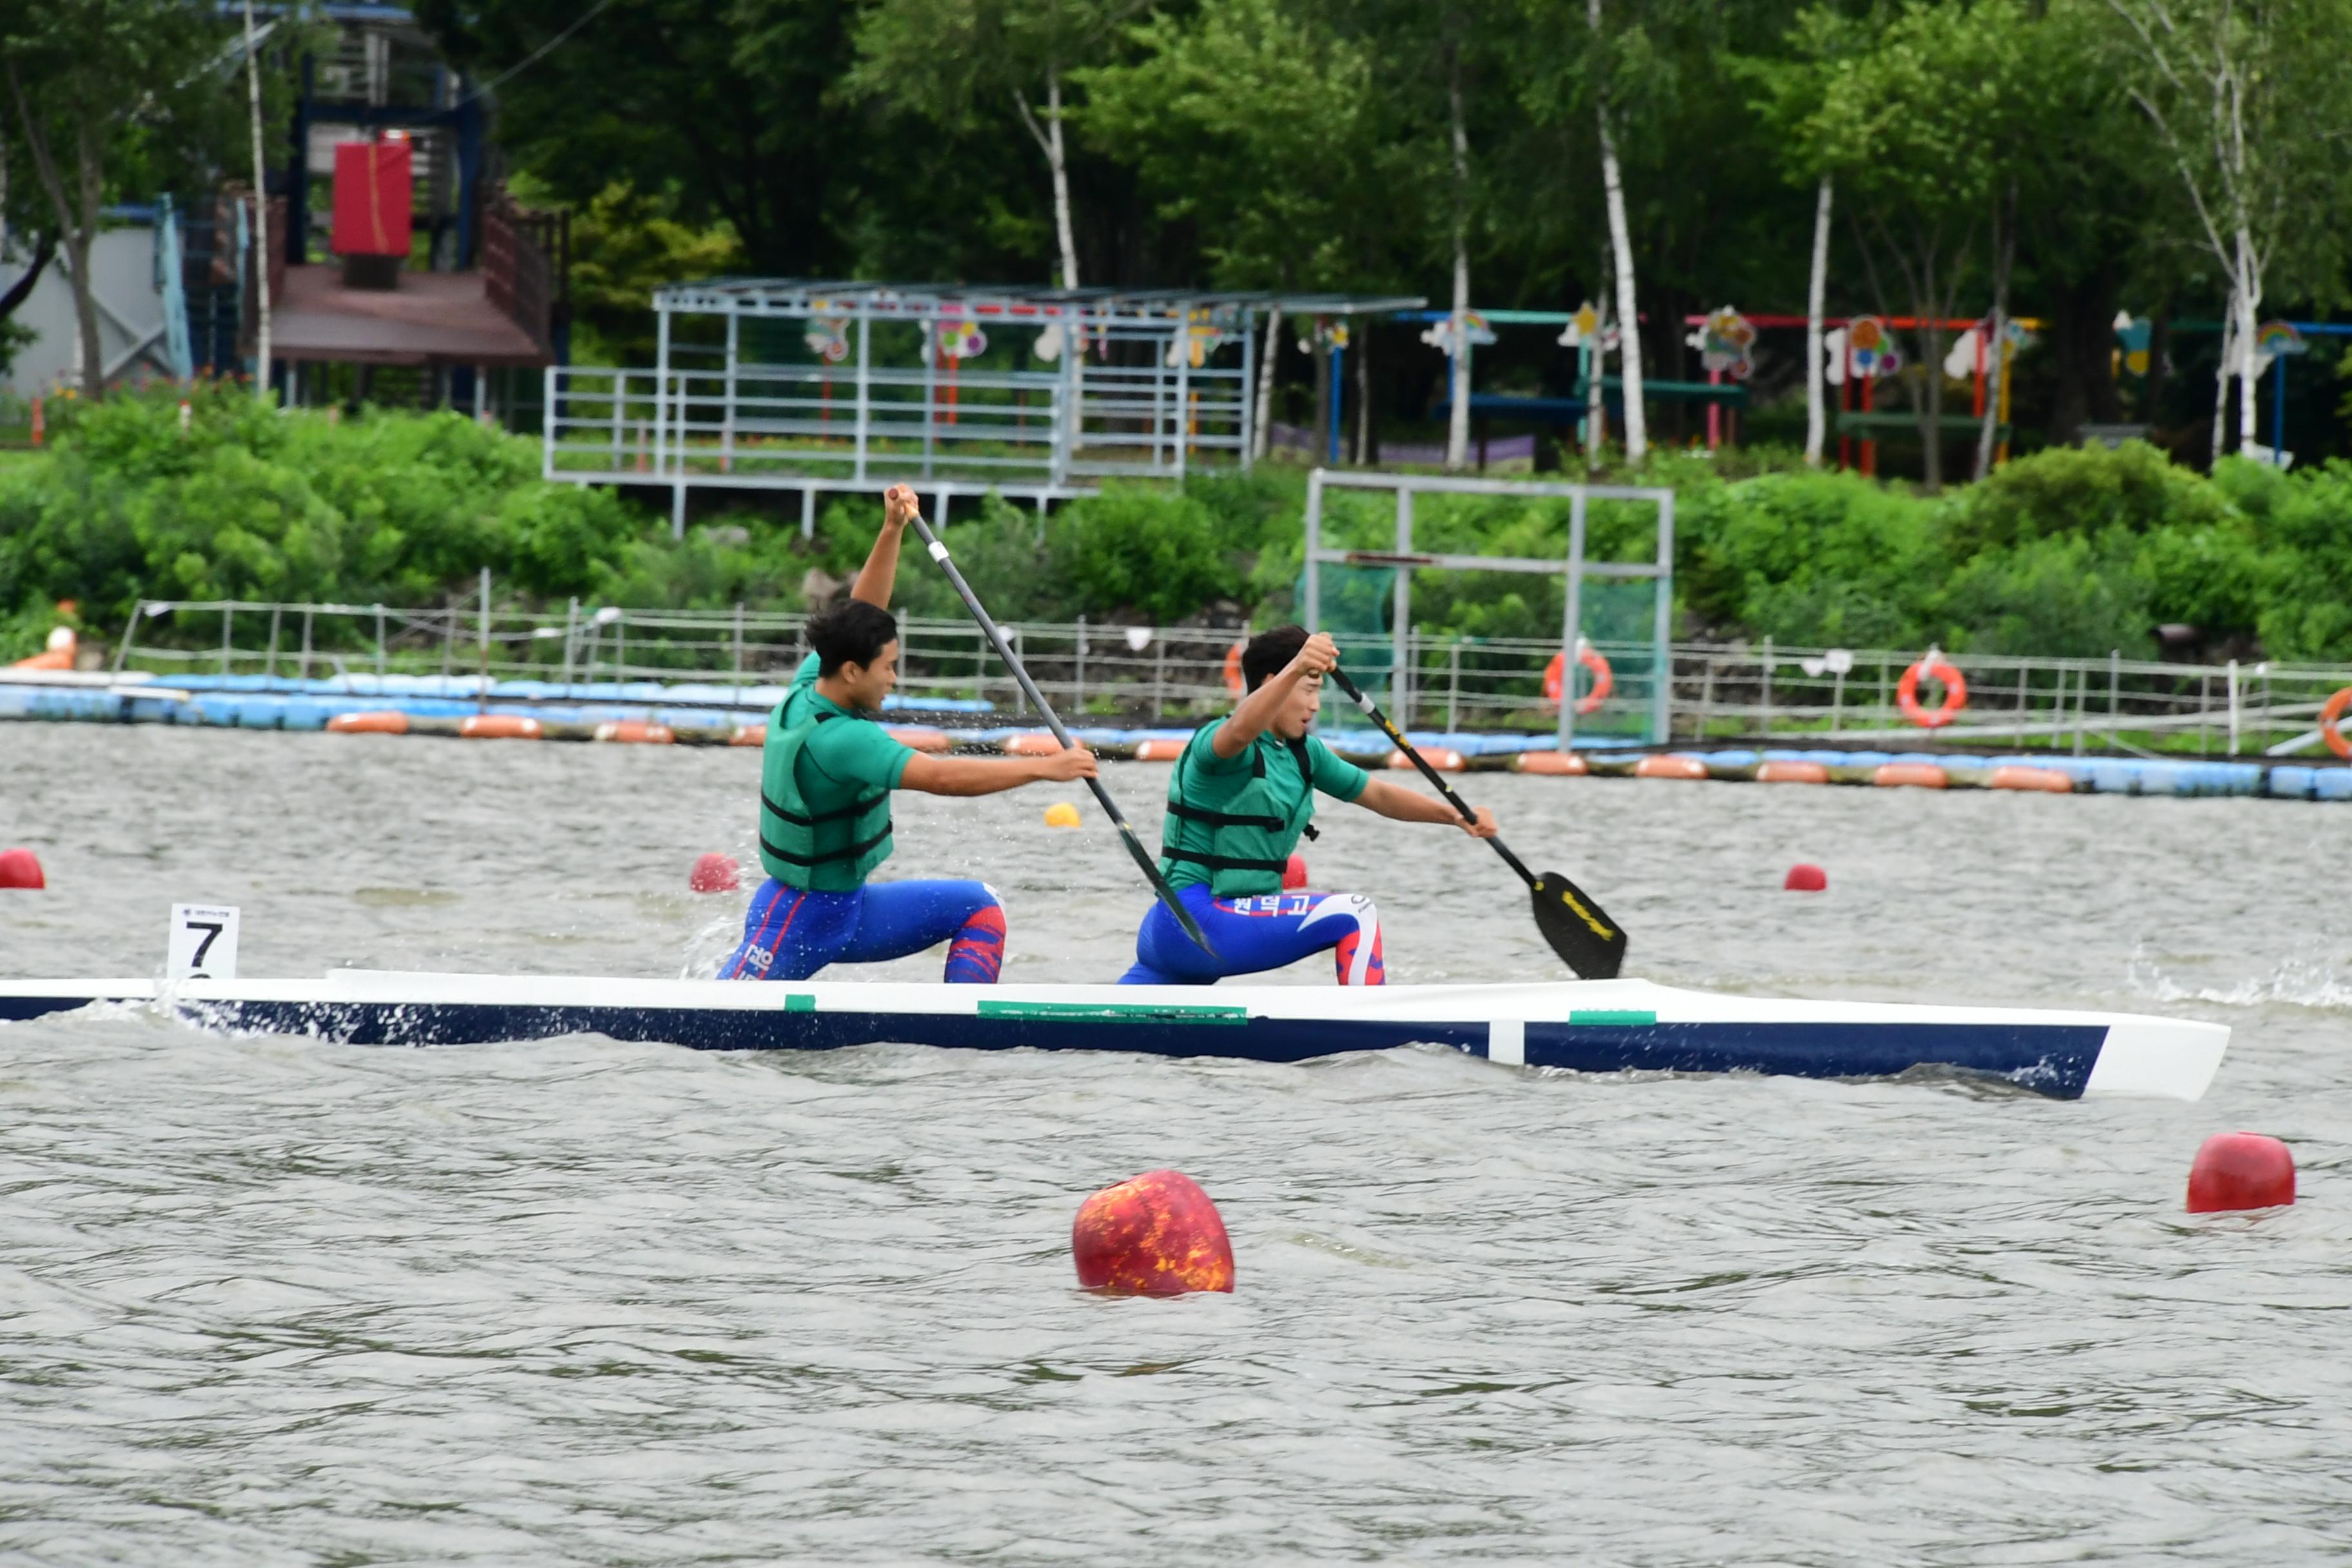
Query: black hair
[[1269, 654], [852, 632]]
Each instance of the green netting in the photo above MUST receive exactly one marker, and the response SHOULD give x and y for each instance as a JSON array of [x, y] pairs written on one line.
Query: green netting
[[1619, 617], [1358, 607]]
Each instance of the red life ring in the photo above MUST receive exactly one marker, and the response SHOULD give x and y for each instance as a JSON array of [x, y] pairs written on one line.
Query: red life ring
[[1955, 692], [1604, 680], [1233, 669], [2327, 718]]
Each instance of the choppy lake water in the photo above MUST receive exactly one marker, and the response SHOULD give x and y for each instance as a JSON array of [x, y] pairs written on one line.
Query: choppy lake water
[[265, 1302]]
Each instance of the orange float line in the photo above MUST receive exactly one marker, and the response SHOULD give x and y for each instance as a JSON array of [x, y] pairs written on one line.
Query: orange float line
[[500, 727], [1670, 768], [1793, 772], [385, 722], [2015, 776], [1553, 765], [1443, 758], [634, 732], [1911, 776], [1159, 751]]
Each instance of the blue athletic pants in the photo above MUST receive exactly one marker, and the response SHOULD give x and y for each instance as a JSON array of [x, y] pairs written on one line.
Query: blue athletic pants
[[791, 933], [1254, 934]]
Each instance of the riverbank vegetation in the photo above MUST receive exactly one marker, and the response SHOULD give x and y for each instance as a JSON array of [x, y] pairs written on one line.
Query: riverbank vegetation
[[2068, 551]]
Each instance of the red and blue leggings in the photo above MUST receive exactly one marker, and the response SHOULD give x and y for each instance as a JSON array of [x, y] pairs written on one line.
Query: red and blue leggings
[[791, 933], [1254, 934]]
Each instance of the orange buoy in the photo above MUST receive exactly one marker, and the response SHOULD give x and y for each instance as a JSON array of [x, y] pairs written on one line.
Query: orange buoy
[[1557, 764], [499, 727], [1793, 772], [2240, 1171], [1444, 759], [1294, 872], [634, 732], [1805, 877], [1662, 767], [1911, 776], [1152, 1234], [380, 721], [714, 873], [1233, 669], [1033, 743], [1061, 813], [21, 868], [914, 737], [2328, 714], [58, 654], [1934, 667], [1159, 751], [2014, 775], [748, 735], [1555, 677]]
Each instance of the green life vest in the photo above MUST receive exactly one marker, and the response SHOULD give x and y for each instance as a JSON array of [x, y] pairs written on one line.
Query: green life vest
[[829, 850], [1245, 844]]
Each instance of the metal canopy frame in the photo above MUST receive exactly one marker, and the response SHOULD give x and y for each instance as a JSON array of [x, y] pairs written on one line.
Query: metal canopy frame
[[1145, 383], [1575, 568]]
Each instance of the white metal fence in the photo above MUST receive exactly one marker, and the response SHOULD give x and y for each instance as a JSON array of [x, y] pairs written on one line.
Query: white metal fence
[[1718, 694]]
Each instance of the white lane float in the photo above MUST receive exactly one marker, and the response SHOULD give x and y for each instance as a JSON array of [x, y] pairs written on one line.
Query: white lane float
[[1600, 1027]]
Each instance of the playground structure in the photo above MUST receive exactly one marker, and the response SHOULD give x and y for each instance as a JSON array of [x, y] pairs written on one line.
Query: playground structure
[[1035, 393], [1632, 664]]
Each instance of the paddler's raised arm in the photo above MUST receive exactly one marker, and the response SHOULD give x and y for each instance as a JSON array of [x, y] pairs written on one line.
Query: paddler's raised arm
[[880, 572], [1255, 714]]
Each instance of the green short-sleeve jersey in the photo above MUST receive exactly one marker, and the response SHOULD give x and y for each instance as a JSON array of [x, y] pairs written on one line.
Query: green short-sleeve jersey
[[825, 783], [1233, 821]]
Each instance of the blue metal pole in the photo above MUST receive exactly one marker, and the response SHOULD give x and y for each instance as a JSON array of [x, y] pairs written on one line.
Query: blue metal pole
[[2278, 406]]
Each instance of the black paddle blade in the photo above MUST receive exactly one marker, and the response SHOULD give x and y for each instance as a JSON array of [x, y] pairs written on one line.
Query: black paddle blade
[[1586, 939]]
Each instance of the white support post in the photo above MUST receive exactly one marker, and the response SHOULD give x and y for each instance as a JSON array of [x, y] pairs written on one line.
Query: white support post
[[1662, 698], [930, 391], [1571, 621], [865, 387], [727, 417], [1247, 430], [808, 512], [661, 383], [1400, 616], [1314, 612], [1180, 431]]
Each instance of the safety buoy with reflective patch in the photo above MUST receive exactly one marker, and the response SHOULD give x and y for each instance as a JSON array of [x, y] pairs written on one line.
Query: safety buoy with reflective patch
[[1604, 679], [1935, 667], [2327, 718]]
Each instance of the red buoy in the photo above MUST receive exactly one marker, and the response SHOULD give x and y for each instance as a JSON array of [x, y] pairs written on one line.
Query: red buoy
[[714, 873], [2240, 1171], [1152, 1234], [1294, 873], [1806, 878], [21, 868]]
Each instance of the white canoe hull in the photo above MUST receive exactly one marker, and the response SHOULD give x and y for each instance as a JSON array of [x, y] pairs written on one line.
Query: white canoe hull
[[1612, 1025]]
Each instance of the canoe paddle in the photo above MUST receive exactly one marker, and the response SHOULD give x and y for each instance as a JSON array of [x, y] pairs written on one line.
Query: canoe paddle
[[1587, 939], [1143, 859]]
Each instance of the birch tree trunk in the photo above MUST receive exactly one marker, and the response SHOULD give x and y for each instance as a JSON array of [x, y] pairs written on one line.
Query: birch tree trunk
[[1997, 344], [1816, 413], [1049, 141], [1265, 432], [77, 222], [260, 216], [2222, 377], [1364, 358], [1457, 369]]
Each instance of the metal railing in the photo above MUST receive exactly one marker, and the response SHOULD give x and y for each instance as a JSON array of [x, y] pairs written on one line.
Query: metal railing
[[1716, 694]]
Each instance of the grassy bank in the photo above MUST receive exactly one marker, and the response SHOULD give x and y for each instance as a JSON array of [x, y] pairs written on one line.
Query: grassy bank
[[2064, 553]]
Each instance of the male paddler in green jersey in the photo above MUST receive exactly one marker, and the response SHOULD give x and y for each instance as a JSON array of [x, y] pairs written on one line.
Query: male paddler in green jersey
[[826, 774], [1242, 793]]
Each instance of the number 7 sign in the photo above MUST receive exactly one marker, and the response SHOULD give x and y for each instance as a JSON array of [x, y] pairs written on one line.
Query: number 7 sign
[[204, 943]]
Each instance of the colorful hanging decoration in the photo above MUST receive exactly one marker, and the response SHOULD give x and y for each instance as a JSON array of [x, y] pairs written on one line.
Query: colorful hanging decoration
[[1048, 346], [2274, 339], [1440, 334], [1723, 342], [1588, 326], [1883, 360], [828, 338], [1204, 332], [960, 340], [2133, 335], [1869, 349], [1331, 334]]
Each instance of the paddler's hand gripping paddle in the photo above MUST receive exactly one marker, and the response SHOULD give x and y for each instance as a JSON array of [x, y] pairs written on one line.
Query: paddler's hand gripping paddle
[[1587, 941], [1143, 859]]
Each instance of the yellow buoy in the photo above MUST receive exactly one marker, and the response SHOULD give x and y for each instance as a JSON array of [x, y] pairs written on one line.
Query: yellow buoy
[[1061, 814]]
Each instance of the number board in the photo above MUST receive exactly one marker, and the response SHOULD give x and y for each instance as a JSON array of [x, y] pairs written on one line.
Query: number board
[[204, 943]]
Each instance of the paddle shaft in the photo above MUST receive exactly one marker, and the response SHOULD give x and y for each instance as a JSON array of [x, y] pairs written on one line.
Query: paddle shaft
[[1143, 859], [1357, 696]]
